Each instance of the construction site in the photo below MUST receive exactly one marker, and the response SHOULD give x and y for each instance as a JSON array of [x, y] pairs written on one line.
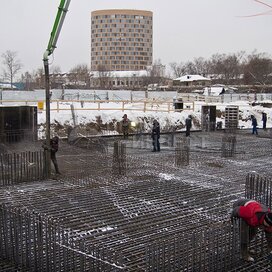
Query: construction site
[[117, 206]]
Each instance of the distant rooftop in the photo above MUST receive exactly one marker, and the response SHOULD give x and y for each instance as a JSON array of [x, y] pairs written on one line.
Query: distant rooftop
[[4, 85], [190, 78]]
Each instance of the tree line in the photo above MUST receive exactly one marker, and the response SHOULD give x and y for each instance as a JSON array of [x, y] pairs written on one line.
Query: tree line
[[234, 68]]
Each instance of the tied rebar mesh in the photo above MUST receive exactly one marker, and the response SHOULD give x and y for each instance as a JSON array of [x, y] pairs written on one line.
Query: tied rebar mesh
[[182, 152], [40, 243], [213, 249], [120, 217], [119, 165], [228, 145], [259, 188], [231, 118], [20, 167]]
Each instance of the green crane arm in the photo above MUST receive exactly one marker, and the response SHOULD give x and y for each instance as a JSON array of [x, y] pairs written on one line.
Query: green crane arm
[[62, 10]]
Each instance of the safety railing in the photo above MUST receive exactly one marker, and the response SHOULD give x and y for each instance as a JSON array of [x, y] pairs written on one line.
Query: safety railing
[[99, 105]]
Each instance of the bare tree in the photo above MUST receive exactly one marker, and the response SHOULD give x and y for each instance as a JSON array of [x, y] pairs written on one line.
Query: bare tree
[[27, 79], [198, 66], [201, 66], [258, 69], [56, 79], [226, 67], [38, 78], [80, 75], [178, 69], [12, 66], [103, 76], [190, 68], [155, 73]]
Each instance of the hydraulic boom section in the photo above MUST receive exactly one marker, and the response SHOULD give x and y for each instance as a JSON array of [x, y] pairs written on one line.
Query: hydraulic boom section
[[63, 8]]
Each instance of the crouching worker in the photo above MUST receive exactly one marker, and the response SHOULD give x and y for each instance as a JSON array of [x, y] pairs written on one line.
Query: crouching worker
[[54, 147], [254, 216]]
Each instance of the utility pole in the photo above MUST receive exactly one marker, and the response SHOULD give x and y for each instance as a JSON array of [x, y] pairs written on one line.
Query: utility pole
[[62, 10]]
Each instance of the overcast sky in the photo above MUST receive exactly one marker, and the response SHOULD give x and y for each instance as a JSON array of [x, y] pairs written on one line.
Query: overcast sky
[[183, 29]]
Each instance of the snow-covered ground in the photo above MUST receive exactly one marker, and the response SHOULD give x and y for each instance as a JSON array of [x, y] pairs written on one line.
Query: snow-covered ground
[[110, 113]]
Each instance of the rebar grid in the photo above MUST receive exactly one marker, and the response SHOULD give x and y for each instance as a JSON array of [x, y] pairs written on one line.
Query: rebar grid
[[6, 266], [259, 188], [155, 201]]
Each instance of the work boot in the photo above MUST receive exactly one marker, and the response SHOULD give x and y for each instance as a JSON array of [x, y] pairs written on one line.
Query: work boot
[[245, 253], [248, 258]]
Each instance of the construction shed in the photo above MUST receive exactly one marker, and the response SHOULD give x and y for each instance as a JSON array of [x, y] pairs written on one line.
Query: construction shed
[[18, 123]]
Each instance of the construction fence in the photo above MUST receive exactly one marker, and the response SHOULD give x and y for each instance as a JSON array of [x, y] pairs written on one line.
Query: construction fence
[[99, 105]]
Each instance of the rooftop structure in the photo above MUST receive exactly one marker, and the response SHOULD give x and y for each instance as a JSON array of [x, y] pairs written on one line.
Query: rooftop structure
[[192, 80]]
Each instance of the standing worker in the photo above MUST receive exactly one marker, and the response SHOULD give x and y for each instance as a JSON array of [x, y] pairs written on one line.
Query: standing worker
[[155, 135], [254, 125], [264, 119], [254, 216], [125, 126], [188, 124], [54, 147], [207, 121]]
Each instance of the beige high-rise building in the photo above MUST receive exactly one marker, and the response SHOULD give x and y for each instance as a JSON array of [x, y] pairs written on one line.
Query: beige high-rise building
[[121, 40]]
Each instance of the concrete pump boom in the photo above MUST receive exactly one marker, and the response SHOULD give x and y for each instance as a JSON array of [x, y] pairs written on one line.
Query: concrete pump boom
[[62, 10]]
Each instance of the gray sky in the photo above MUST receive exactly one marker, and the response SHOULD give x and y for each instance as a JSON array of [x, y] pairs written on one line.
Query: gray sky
[[183, 29]]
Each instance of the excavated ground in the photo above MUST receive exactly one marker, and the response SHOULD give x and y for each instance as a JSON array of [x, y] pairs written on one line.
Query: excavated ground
[[154, 200]]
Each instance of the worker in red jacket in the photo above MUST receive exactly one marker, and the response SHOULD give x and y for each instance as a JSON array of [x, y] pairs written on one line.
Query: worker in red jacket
[[254, 216]]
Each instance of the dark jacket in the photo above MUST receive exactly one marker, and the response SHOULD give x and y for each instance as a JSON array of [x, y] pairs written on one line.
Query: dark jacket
[[156, 130], [254, 122], [54, 144], [264, 117], [188, 122]]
